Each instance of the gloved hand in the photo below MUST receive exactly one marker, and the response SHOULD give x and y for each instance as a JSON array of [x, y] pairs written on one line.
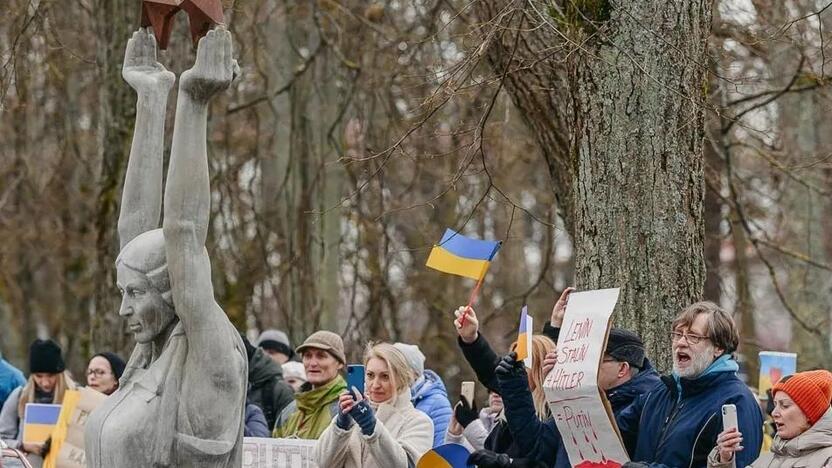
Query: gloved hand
[[465, 413], [509, 366], [489, 459], [343, 421], [363, 415]]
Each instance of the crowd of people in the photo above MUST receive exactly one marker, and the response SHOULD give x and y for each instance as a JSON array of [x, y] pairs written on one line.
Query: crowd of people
[[404, 410]]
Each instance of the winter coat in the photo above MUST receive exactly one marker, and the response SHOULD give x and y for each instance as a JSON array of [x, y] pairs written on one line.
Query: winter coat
[[483, 360], [313, 409], [812, 449], [541, 440], [401, 436], [676, 425], [10, 379], [255, 422], [266, 386], [431, 398]]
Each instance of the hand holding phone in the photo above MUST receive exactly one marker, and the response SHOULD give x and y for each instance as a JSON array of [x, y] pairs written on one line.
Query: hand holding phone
[[355, 377]]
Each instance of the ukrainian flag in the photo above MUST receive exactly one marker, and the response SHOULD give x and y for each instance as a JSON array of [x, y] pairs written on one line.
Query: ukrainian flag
[[463, 256], [445, 456], [38, 422], [524, 337]]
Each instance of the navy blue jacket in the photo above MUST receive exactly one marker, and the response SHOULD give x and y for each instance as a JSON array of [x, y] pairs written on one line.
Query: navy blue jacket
[[541, 441], [676, 425]]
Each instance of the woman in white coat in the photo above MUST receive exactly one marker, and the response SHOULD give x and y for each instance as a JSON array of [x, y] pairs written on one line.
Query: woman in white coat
[[383, 430]]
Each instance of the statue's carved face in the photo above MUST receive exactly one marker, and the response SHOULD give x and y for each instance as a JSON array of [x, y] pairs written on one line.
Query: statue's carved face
[[142, 305]]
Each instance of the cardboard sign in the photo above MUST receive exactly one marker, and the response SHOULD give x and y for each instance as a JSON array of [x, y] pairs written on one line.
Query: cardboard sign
[[39, 421], [278, 453], [773, 367], [68, 438], [580, 408]]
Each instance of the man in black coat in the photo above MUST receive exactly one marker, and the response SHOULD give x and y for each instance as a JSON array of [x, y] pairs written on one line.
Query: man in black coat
[[266, 386]]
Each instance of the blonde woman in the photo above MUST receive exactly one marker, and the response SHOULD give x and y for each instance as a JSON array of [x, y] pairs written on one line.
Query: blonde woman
[[380, 429], [48, 382]]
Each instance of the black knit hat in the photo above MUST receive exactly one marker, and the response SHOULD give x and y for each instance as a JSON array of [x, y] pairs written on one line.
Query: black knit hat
[[45, 357], [116, 363], [626, 346]]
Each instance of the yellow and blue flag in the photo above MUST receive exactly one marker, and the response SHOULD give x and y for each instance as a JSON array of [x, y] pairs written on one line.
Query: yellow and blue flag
[[462, 256], [38, 421], [524, 337], [445, 456]]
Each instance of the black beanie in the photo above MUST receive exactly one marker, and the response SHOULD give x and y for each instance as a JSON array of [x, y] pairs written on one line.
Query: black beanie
[[116, 363], [626, 346], [45, 357]]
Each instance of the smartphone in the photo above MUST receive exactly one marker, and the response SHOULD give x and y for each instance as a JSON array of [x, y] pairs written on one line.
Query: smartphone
[[355, 377], [467, 391], [729, 417]]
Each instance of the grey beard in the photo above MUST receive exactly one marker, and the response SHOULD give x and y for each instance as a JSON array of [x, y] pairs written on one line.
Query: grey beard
[[700, 363]]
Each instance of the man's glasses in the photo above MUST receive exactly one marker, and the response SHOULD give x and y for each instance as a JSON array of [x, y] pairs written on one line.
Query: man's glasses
[[692, 338]]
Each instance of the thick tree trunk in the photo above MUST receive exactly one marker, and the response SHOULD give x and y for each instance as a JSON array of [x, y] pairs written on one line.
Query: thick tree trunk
[[114, 21], [639, 211]]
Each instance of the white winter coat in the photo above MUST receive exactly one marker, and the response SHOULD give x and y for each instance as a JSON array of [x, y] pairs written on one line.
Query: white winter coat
[[402, 435]]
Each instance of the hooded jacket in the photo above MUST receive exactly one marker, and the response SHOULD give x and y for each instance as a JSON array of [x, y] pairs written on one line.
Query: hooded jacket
[[266, 386], [541, 440], [811, 449], [313, 409], [401, 436], [676, 424], [10, 379], [431, 398]]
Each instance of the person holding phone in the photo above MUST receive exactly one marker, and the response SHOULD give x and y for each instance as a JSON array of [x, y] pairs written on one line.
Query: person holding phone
[[379, 428], [316, 403], [804, 426]]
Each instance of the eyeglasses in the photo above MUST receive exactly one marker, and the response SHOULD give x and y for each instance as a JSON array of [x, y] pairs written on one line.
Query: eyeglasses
[[692, 338], [96, 372]]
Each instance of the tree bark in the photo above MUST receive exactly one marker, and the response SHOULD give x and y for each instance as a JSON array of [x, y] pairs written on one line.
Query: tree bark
[[114, 20]]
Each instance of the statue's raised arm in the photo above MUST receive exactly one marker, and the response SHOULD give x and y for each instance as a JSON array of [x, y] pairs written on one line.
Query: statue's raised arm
[[141, 200], [182, 396]]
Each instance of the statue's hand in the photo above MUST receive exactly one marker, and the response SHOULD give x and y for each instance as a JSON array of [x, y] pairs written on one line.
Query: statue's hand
[[141, 70], [214, 68]]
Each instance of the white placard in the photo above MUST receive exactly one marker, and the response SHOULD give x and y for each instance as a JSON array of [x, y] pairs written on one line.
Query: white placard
[[278, 453], [580, 409]]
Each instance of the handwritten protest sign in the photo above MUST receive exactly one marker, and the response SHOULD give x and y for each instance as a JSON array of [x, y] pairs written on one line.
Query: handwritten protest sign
[[68, 439], [278, 453], [580, 409], [773, 367]]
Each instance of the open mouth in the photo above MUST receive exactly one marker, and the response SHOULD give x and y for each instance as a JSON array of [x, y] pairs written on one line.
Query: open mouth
[[682, 357], [134, 327]]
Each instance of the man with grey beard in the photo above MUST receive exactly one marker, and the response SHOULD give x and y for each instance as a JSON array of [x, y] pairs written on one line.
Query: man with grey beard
[[677, 424]]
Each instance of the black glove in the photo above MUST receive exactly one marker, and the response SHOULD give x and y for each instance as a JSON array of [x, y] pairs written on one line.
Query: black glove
[[509, 366], [489, 459], [47, 446], [465, 413]]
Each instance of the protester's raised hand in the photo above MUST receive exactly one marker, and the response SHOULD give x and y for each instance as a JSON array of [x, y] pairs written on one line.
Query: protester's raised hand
[[559, 310], [345, 403], [728, 443], [550, 361], [465, 412], [468, 329], [510, 366]]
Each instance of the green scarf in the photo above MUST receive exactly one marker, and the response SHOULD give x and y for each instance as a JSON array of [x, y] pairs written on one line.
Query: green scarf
[[313, 413]]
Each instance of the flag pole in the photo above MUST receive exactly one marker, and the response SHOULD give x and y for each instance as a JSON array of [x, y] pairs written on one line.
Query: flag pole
[[471, 301]]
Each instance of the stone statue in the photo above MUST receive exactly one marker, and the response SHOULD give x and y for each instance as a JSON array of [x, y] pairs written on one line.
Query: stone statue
[[181, 399]]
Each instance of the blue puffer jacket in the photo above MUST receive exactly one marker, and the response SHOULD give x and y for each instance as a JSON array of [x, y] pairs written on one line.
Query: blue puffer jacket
[[676, 425], [431, 398], [10, 379], [541, 440]]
